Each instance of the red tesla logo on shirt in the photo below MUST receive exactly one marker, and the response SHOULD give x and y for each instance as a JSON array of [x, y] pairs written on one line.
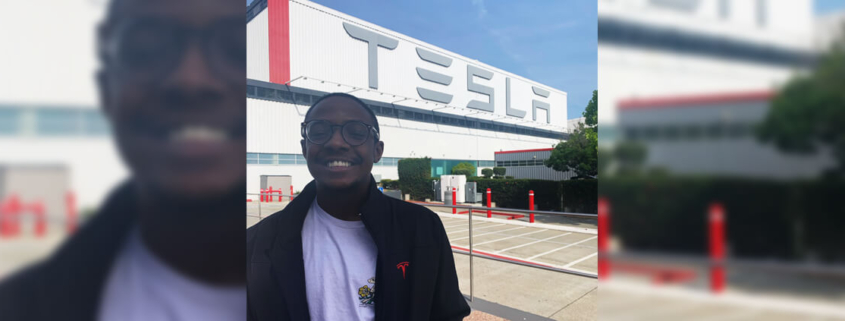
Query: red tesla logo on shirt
[[402, 266]]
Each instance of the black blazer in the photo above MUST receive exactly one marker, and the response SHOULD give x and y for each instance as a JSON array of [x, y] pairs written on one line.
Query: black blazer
[[68, 285], [405, 234]]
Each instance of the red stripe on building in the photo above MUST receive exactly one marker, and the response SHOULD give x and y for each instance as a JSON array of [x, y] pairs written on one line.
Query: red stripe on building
[[278, 21], [524, 151], [685, 101]]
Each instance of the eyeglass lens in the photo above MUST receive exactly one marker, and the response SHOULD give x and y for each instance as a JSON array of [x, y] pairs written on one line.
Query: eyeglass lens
[[152, 47], [354, 133]]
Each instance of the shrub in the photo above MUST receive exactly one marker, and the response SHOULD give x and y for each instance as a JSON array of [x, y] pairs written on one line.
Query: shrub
[[513, 193], [499, 171], [464, 168], [389, 183], [415, 177], [580, 196], [487, 172]]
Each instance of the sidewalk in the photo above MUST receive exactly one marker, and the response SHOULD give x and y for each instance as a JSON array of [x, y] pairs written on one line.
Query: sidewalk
[[548, 294]]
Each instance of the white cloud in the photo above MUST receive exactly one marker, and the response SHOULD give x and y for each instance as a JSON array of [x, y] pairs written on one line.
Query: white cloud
[[482, 9]]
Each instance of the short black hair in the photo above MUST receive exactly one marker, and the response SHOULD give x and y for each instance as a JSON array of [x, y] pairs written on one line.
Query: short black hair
[[356, 99]]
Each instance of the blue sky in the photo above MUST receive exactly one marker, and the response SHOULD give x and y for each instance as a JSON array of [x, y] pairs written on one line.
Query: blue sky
[[825, 6], [551, 42]]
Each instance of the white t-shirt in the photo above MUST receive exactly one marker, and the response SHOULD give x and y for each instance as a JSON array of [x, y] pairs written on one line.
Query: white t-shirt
[[141, 287], [340, 267]]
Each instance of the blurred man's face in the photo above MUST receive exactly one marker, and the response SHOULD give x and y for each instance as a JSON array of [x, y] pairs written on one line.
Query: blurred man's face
[[336, 164], [173, 88]]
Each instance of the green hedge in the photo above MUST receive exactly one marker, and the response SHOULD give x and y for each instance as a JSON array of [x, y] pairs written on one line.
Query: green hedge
[[764, 219], [415, 177], [513, 193], [580, 196], [389, 183]]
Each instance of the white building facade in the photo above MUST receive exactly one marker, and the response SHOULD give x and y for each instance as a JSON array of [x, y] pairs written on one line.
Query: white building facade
[[429, 102], [659, 48], [49, 110]]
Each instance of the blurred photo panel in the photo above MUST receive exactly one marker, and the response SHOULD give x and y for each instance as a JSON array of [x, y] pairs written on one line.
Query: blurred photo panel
[[721, 151], [421, 160], [123, 127]]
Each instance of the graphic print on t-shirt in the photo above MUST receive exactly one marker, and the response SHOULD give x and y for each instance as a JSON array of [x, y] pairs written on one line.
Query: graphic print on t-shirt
[[367, 293]]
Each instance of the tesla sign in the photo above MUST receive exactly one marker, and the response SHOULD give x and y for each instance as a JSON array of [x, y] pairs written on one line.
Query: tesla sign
[[440, 80]]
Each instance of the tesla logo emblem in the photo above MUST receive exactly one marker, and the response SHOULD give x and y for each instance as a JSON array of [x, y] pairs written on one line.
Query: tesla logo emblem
[[402, 266]]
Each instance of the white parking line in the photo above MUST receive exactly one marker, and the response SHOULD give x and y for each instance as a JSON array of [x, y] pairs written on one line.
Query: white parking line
[[580, 260], [476, 229], [535, 242], [509, 237], [466, 237], [560, 248], [454, 225]]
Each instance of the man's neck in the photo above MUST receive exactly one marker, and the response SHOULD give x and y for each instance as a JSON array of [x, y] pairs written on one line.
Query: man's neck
[[202, 239], [343, 204]]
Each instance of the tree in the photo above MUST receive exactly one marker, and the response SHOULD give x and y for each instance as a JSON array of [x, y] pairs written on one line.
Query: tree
[[807, 114], [631, 156], [591, 113], [464, 168], [499, 172], [578, 154], [487, 172]]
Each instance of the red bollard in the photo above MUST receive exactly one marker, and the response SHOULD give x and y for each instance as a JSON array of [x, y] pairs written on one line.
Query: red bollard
[[489, 212], [531, 206], [716, 218], [13, 210], [262, 195], [40, 219], [604, 233], [270, 195], [70, 206], [4, 218], [454, 200], [291, 194]]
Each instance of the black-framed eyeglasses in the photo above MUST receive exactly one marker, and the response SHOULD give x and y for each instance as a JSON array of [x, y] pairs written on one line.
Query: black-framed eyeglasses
[[151, 48], [354, 132]]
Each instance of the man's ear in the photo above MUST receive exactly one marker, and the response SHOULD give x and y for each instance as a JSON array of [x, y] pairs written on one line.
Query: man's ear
[[378, 151], [304, 151]]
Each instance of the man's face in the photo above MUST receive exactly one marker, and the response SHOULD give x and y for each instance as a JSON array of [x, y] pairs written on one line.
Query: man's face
[[338, 111], [172, 87]]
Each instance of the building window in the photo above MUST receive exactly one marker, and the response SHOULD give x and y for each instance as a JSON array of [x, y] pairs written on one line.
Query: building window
[[409, 113], [302, 99], [93, 123], [9, 121], [266, 159], [287, 159], [57, 121]]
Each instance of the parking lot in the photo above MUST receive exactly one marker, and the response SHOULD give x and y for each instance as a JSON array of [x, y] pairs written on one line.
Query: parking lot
[[552, 245]]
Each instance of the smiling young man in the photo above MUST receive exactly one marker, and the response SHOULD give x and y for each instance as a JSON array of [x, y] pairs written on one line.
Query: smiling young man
[[167, 244], [342, 250]]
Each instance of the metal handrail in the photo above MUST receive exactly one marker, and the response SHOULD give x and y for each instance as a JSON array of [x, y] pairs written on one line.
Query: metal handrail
[[503, 209], [472, 254]]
